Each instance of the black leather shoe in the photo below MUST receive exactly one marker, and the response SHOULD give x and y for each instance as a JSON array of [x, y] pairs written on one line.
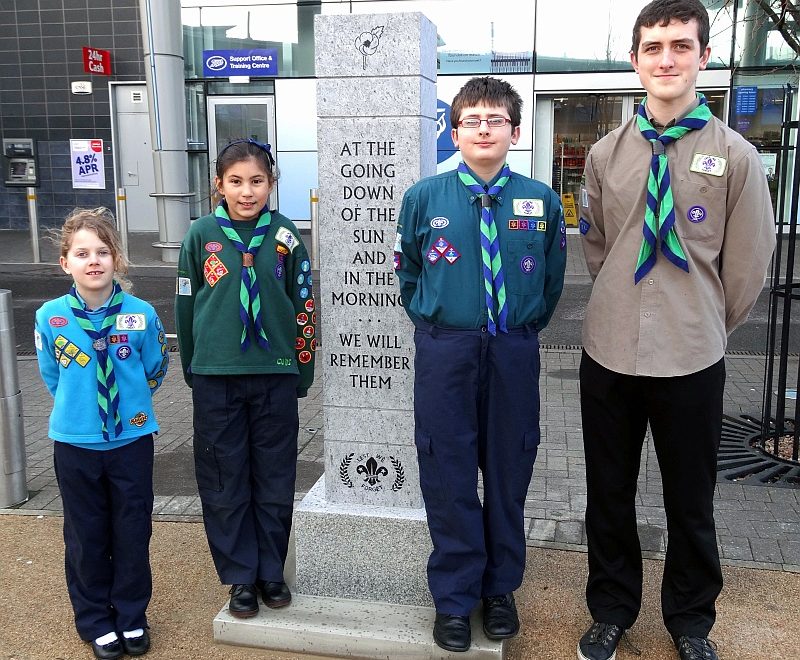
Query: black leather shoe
[[452, 633], [136, 645], [500, 620], [274, 594], [107, 651], [244, 601]]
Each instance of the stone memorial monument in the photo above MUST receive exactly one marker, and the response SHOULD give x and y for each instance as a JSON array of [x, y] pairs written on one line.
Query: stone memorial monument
[[361, 538]]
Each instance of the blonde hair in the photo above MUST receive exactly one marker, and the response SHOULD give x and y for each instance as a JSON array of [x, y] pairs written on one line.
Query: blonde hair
[[101, 221]]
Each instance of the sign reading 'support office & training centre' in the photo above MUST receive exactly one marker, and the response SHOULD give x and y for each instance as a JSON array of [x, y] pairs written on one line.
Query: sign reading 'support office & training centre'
[[226, 63]]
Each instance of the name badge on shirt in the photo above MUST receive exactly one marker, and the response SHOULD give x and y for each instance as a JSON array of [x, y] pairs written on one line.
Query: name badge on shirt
[[705, 164], [533, 208], [131, 322]]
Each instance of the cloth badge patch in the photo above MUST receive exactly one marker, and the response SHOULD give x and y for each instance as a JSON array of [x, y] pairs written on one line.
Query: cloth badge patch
[[304, 357], [57, 321], [131, 322], [301, 278], [304, 293], [279, 271], [441, 245], [308, 331], [37, 339], [302, 318], [584, 226], [66, 352], [313, 344], [213, 246], [309, 305], [527, 264], [398, 242], [584, 198], [396, 261], [305, 265], [214, 270], [124, 352], [529, 207], [286, 237], [117, 339], [140, 418], [696, 214], [280, 249], [705, 164], [183, 286], [433, 255], [299, 343], [451, 255], [439, 222]]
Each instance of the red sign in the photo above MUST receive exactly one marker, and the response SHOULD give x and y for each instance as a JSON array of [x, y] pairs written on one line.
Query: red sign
[[96, 61]]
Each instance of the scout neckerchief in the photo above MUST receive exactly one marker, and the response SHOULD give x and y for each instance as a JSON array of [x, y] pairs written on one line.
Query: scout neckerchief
[[107, 391], [249, 297], [493, 279], [659, 214]]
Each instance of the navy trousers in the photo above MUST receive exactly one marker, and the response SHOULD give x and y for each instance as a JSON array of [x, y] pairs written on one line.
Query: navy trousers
[[476, 407], [245, 453], [108, 508], [685, 417]]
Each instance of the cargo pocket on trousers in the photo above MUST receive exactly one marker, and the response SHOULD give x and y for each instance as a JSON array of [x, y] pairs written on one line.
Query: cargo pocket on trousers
[[206, 466], [430, 476]]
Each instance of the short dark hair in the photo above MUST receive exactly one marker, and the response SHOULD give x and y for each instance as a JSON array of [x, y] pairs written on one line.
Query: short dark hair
[[488, 91], [663, 12]]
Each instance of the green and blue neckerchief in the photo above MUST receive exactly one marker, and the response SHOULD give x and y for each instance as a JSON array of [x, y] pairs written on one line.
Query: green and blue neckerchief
[[659, 215], [107, 390], [249, 296], [493, 278]]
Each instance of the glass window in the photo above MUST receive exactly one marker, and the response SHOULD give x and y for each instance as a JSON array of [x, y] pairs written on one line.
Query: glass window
[[600, 38], [496, 38], [758, 41]]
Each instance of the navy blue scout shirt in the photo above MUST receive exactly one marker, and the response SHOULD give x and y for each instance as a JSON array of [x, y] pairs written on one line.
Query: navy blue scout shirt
[[438, 252]]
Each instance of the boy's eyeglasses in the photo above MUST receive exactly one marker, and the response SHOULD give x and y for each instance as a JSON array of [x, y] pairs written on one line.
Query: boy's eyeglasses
[[491, 122]]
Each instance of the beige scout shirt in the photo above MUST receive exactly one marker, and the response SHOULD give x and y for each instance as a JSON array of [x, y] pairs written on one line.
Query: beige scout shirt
[[673, 323]]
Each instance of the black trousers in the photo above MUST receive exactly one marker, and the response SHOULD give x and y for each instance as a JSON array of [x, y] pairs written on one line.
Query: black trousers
[[108, 508], [685, 417], [476, 407], [245, 454]]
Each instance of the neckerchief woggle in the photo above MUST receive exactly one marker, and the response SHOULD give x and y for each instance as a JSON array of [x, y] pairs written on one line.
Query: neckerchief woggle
[[493, 278], [249, 295], [107, 390], [659, 214]]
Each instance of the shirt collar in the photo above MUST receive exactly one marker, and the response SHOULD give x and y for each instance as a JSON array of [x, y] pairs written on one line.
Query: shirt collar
[[674, 120], [486, 185], [97, 309]]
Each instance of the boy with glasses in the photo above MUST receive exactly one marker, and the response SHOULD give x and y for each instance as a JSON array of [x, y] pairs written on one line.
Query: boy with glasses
[[480, 259], [678, 181]]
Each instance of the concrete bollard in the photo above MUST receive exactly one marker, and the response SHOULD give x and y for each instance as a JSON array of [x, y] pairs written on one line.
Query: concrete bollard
[[13, 482]]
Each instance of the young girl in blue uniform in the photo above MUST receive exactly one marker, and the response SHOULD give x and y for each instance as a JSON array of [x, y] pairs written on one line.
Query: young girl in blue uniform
[[245, 319], [102, 354]]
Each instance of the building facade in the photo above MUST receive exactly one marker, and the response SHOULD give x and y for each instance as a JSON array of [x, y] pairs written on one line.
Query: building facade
[[569, 60]]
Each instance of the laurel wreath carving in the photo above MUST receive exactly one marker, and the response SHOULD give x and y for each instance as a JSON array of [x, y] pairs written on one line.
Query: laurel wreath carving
[[344, 466], [400, 475]]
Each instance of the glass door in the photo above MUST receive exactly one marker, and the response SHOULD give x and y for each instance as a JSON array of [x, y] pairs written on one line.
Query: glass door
[[240, 117]]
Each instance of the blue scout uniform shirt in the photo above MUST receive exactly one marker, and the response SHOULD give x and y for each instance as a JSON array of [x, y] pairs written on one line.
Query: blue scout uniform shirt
[[438, 252], [67, 363]]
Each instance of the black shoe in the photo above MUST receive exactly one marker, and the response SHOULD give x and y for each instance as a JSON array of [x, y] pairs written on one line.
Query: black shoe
[[107, 651], [452, 633], [244, 601], [136, 645], [696, 648], [500, 620], [600, 642], [274, 594]]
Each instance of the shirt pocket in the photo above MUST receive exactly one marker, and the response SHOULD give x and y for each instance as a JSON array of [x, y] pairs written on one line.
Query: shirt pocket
[[523, 265], [700, 210]]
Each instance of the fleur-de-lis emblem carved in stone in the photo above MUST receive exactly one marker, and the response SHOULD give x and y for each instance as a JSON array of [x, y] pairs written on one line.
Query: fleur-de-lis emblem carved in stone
[[367, 43], [372, 473]]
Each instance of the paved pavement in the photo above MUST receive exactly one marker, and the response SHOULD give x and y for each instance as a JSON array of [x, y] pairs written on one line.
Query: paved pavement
[[758, 526]]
